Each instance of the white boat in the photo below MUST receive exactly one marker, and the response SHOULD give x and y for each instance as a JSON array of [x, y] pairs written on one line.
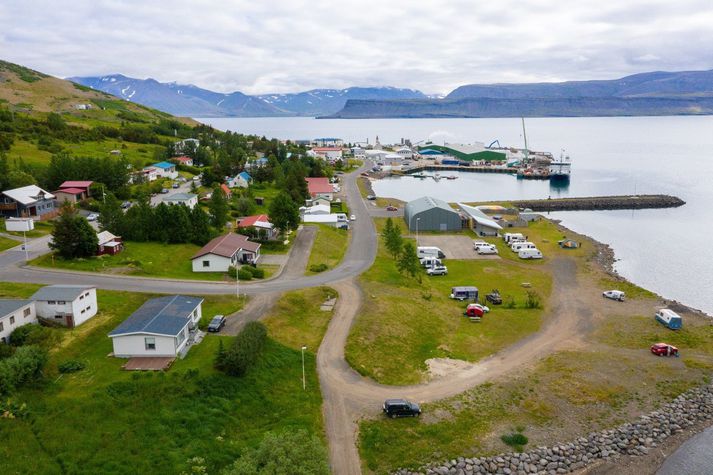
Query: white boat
[[560, 168]]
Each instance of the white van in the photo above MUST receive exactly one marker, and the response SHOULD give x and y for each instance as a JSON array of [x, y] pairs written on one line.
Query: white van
[[529, 254], [429, 251], [512, 237], [516, 246], [431, 262]]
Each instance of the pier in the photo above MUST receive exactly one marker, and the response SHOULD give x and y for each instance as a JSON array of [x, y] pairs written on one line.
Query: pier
[[602, 203], [456, 168]]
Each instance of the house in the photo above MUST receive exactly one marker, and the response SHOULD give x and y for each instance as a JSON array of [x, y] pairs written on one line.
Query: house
[[404, 153], [108, 244], [317, 201], [15, 313], [328, 142], [260, 222], [166, 170], [183, 160], [337, 220], [187, 199], [432, 214], [359, 153], [161, 327], [226, 191], [224, 252], [478, 221], [147, 174], [241, 180], [257, 163], [83, 185], [68, 305], [320, 188], [376, 155], [186, 144], [28, 202], [316, 209], [73, 195], [331, 154]]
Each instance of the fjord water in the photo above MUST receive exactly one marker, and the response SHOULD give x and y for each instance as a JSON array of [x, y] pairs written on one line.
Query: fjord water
[[666, 251]]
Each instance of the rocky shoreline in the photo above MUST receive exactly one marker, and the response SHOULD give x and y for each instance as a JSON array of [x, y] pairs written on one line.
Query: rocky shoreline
[[602, 203], [637, 438]]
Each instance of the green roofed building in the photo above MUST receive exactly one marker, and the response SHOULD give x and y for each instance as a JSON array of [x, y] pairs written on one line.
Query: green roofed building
[[468, 153], [431, 214]]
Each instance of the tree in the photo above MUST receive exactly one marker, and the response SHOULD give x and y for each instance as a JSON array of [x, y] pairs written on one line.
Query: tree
[[283, 453], [4, 172], [200, 227], [72, 236], [244, 350], [111, 216], [17, 179], [284, 213], [408, 262], [218, 207], [392, 238]]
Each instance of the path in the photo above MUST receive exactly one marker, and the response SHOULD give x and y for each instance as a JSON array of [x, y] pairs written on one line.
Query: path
[[694, 457]]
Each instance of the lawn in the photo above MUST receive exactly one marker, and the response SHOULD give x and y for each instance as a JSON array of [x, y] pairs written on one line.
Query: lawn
[[103, 420], [329, 247], [7, 243], [149, 259], [404, 323], [42, 228], [268, 191]]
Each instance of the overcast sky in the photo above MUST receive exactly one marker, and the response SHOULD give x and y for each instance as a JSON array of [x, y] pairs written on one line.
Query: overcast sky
[[262, 46]]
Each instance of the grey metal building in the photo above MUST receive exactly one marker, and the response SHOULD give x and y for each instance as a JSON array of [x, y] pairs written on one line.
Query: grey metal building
[[431, 214]]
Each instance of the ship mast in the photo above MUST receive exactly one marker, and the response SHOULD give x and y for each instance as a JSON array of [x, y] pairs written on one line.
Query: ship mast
[[524, 135]]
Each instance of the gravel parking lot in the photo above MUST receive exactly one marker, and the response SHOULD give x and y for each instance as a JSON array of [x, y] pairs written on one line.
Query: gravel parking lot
[[453, 246]]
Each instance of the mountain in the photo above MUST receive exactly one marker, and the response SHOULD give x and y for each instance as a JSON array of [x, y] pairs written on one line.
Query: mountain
[[654, 93], [180, 99], [328, 101]]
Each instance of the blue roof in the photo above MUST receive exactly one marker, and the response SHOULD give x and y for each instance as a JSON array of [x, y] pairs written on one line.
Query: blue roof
[[264, 160], [160, 316], [164, 165], [245, 176], [430, 151]]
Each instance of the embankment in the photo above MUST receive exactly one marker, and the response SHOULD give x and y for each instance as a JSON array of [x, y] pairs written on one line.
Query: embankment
[[602, 203]]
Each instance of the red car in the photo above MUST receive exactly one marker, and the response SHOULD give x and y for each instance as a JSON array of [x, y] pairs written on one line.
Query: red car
[[664, 349], [391, 208]]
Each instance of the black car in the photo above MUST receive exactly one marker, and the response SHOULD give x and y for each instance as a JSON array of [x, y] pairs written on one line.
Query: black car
[[216, 324], [494, 297], [401, 408]]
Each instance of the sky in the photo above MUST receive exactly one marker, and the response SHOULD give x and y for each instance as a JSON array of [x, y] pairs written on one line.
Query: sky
[[266, 46]]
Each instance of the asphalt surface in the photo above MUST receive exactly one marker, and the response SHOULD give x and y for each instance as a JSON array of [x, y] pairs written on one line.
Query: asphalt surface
[[693, 457]]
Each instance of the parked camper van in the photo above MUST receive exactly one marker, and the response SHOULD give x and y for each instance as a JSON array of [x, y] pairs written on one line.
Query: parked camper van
[[464, 293], [529, 254], [669, 319], [431, 262], [429, 251], [512, 237], [516, 246]]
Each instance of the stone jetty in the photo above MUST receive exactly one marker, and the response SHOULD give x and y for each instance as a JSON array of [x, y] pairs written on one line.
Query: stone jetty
[[601, 203]]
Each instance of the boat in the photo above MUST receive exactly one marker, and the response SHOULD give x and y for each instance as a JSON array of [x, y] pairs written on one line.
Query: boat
[[560, 168], [451, 177], [437, 176]]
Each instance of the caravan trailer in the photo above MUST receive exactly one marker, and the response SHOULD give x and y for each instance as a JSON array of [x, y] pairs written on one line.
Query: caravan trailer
[[669, 319], [516, 246], [429, 251], [464, 293], [529, 254]]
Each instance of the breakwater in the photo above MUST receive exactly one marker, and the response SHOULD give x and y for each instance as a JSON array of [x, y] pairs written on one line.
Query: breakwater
[[602, 203]]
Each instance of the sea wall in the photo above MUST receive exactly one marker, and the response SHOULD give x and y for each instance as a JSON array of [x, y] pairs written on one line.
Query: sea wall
[[602, 203], [637, 438]]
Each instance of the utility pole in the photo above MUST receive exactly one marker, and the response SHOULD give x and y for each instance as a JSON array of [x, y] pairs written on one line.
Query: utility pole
[[304, 381]]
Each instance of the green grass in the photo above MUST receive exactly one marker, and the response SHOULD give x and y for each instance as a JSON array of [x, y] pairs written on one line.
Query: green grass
[[329, 247], [404, 323], [149, 259], [42, 228], [7, 243], [297, 320], [104, 420], [632, 291], [268, 191]]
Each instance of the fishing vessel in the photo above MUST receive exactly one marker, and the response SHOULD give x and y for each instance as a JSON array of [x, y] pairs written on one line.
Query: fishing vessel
[[560, 168]]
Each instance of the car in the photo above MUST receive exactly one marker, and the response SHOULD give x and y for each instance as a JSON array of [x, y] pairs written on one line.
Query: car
[[494, 297], [164, 190], [664, 349], [437, 270], [126, 204], [175, 185], [216, 323], [401, 408], [489, 249], [477, 244], [92, 217], [370, 197], [614, 295], [352, 217], [391, 208]]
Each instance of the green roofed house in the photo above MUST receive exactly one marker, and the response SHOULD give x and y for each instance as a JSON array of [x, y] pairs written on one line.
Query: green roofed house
[[432, 214]]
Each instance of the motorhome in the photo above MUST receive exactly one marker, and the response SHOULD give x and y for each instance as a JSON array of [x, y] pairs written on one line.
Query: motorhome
[[431, 262], [429, 251], [669, 319], [512, 237], [529, 254], [516, 246], [464, 293]]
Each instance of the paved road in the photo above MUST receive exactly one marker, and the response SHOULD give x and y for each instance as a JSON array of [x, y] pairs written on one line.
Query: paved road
[[694, 457]]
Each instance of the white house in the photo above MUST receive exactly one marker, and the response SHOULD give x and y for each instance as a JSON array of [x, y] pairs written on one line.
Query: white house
[[166, 170], [359, 153], [161, 327], [331, 154], [148, 174], [241, 180], [376, 155], [328, 142], [186, 144], [260, 222], [404, 153], [188, 199], [68, 305], [338, 220], [15, 313], [316, 209], [224, 252]]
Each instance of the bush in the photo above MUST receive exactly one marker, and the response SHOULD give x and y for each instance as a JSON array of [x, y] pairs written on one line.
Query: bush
[[244, 351], [35, 335], [232, 272], [318, 267], [244, 274], [515, 440], [533, 300], [23, 367], [70, 366], [6, 351], [258, 273]]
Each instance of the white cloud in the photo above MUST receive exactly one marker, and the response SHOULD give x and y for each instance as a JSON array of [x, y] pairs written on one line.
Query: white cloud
[[290, 45]]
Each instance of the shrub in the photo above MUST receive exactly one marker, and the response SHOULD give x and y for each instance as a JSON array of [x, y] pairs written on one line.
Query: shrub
[[533, 300], [10, 409], [35, 335], [244, 351], [232, 272], [515, 440], [258, 273], [70, 366], [318, 267], [509, 302], [6, 351], [244, 274], [21, 368]]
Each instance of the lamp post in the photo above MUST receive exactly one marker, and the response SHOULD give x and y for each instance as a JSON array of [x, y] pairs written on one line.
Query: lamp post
[[304, 381], [417, 220]]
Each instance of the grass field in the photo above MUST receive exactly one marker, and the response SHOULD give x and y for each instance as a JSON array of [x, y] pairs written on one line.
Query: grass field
[[7, 243], [404, 323], [104, 420], [329, 247], [42, 228]]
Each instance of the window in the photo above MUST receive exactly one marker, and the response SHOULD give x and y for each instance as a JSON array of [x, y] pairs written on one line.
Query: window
[[27, 312], [89, 308], [150, 343], [61, 302], [12, 320], [51, 302], [206, 263], [58, 316], [2, 326], [81, 297], [87, 294], [83, 310], [180, 337]]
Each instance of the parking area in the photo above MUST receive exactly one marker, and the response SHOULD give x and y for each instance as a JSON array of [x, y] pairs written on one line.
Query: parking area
[[453, 246]]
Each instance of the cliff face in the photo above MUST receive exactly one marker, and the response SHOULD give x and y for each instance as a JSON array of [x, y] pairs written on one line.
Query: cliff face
[[529, 107]]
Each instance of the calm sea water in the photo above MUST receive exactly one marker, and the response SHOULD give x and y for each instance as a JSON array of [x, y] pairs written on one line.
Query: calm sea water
[[663, 250]]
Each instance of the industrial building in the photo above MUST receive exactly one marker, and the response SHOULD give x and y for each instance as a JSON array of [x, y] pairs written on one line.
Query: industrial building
[[432, 214], [479, 222]]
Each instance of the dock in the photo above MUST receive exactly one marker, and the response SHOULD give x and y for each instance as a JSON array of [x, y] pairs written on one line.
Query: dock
[[602, 203], [457, 168]]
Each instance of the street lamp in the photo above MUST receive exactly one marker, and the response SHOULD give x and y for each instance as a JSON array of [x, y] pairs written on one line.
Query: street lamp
[[304, 381], [417, 220]]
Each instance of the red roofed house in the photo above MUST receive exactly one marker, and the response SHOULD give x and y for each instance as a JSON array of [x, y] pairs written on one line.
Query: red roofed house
[[226, 191], [259, 222], [224, 252], [73, 191], [183, 160], [320, 188]]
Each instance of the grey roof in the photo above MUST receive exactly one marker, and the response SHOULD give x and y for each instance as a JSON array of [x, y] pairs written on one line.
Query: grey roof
[[425, 203], [60, 292], [479, 216], [8, 306], [161, 316], [180, 197]]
